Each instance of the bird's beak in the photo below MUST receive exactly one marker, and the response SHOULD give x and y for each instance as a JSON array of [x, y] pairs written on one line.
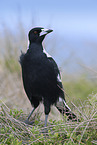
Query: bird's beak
[[43, 33], [46, 31]]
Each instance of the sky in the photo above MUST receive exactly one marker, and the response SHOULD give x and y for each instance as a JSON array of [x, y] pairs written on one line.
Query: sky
[[76, 16], [74, 21]]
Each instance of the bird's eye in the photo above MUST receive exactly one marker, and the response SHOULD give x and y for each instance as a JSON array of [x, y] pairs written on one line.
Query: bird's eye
[[35, 32]]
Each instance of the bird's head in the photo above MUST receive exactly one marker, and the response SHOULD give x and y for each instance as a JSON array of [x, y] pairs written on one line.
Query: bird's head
[[36, 36]]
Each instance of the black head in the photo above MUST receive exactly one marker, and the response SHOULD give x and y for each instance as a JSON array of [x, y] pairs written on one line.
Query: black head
[[35, 34]]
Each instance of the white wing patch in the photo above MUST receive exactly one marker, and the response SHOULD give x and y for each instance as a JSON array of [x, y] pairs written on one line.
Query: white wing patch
[[28, 45], [66, 105], [61, 100], [44, 51], [58, 78]]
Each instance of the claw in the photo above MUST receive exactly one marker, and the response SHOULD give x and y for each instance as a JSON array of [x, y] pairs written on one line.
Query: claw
[[28, 122]]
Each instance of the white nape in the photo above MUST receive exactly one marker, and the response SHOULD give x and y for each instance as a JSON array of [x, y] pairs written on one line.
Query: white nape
[[28, 45], [44, 51]]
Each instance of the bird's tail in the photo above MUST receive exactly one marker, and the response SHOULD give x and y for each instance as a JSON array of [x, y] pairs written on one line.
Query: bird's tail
[[64, 109]]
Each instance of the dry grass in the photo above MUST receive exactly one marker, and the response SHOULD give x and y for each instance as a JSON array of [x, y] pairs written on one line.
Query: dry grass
[[79, 132]]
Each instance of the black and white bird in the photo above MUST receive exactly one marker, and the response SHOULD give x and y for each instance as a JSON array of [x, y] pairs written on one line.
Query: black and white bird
[[41, 76]]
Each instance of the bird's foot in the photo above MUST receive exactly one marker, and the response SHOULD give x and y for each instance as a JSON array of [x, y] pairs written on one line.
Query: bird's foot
[[28, 122]]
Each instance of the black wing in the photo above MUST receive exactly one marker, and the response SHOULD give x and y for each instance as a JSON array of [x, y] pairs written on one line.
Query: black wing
[[57, 72]]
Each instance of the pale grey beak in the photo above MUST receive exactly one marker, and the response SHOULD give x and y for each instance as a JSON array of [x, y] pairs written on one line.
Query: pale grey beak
[[45, 31]]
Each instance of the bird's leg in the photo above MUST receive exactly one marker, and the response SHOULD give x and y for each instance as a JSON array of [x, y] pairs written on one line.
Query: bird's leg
[[46, 117], [27, 120], [31, 113], [47, 110]]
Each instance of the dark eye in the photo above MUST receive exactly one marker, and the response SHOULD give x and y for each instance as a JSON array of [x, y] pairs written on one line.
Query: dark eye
[[35, 32]]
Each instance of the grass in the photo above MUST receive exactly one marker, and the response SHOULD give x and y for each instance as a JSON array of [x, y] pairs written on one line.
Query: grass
[[79, 89], [15, 132]]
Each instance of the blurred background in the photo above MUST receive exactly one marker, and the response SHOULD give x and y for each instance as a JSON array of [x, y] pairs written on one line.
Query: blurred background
[[73, 44]]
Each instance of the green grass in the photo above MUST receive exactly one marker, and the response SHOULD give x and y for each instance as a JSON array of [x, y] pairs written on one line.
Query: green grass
[[12, 65], [79, 90], [14, 132]]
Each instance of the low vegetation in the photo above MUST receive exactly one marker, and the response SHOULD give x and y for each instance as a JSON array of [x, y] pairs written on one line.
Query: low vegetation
[[15, 132]]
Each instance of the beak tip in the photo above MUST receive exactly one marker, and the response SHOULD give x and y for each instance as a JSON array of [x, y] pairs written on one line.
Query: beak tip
[[49, 30]]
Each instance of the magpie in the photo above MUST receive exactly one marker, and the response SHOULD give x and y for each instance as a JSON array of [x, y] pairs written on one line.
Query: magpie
[[41, 76]]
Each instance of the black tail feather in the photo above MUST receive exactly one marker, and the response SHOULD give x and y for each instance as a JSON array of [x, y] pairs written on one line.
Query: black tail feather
[[64, 109]]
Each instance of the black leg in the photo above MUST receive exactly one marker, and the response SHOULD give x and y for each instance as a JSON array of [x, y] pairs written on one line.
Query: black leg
[[47, 110], [27, 120], [46, 117]]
